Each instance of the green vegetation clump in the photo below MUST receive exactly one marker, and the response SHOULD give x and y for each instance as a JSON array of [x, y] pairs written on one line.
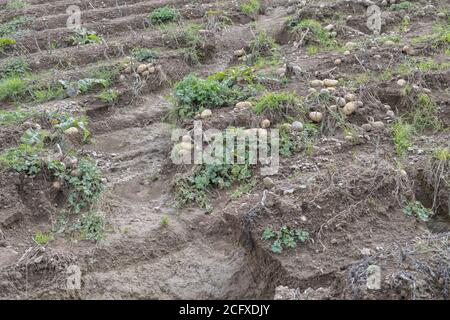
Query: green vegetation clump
[[417, 209], [192, 94], [194, 188], [11, 29], [90, 226], [250, 7], [12, 88], [144, 54], [317, 38], [402, 133], [13, 67], [82, 36], [163, 15], [42, 238], [16, 4], [276, 101], [285, 238], [404, 5], [263, 45], [6, 43], [110, 95]]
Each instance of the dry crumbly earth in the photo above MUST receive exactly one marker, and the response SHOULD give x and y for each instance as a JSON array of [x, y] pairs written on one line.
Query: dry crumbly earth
[[364, 176]]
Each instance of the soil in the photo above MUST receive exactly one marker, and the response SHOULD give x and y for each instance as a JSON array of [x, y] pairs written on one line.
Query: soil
[[349, 195]]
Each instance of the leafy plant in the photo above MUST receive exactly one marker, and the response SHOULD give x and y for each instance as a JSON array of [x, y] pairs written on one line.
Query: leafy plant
[[164, 221], [418, 210], [85, 184], [109, 95], [10, 29], [402, 133], [192, 189], [5, 43], [250, 6], [12, 88], [163, 15], [285, 238], [42, 238], [82, 36], [13, 67], [262, 45], [90, 227], [24, 158], [319, 38], [276, 101], [16, 4], [405, 5], [144, 54], [425, 114]]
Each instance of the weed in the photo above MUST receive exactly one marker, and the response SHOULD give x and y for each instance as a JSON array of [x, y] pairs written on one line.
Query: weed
[[144, 54], [24, 158], [10, 29], [405, 5], [193, 189], [250, 7], [243, 189], [192, 94], [164, 221], [285, 238], [110, 95], [319, 38], [163, 15], [262, 45], [276, 101], [12, 88], [90, 227], [48, 93], [85, 183], [82, 36], [418, 210], [425, 115], [13, 67], [6, 43], [16, 4], [42, 238], [402, 136]]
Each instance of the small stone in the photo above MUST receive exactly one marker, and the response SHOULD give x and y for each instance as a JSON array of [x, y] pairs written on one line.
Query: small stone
[[312, 90], [151, 70], [346, 53], [340, 102], [243, 105], [316, 116], [378, 125], [366, 252], [324, 91], [349, 97], [337, 62], [367, 127], [281, 72], [297, 126], [350, 108], [265, 123], [239, 53], [401, 82], [141, 68], [329, 27], [359, 103], [390, 114], [316, 83], [351, 45], [206, 114], [330, 83], [268, 183], [122, 77], [389, 43], [441, 15], [407, 50], [71, 131]]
